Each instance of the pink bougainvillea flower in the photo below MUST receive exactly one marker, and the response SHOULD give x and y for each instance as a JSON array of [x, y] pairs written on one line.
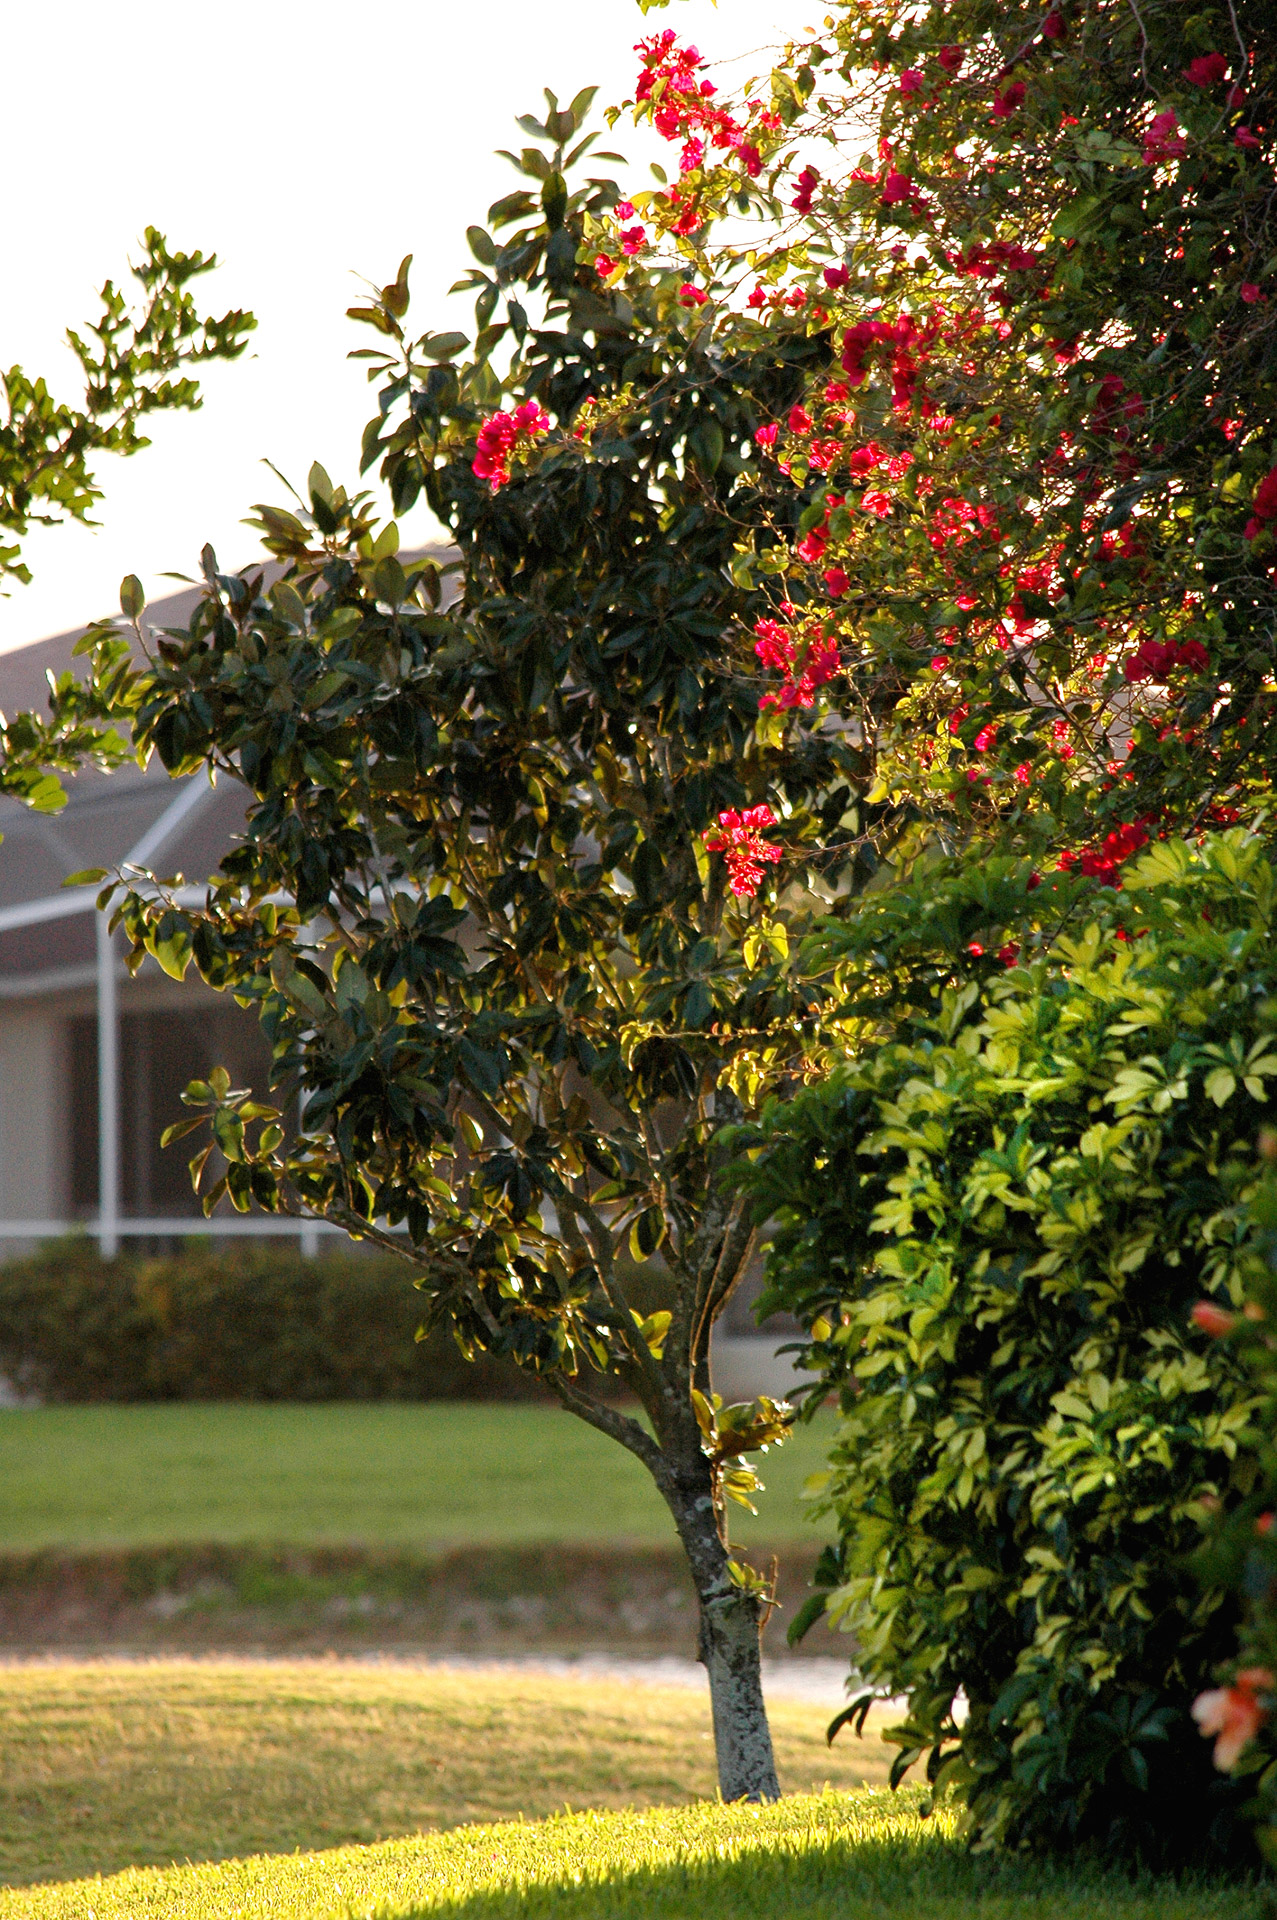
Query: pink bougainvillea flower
[[836, 581], [1010, 953], [808, 180], [765, 436], [1162, 138], [1212, 1319], [1263, 508], [812, 546], [625, 209], [1207, 70], [1053, 27], [1245, 138], [743, 848], [603, 266], [751, 159], [758, 298], [951, 58], [1102, 863], [1250, 292], [911, 81], [836, 277], [985, 738], [1157, 659], [633, 240], [500, 436], [1009, 101], [896, 188], [800, 421], [690, 296], [877, 503], [1233, 1714], [1022, 774]]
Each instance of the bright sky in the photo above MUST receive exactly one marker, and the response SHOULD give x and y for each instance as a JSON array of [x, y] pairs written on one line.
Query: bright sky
[[307, 145]]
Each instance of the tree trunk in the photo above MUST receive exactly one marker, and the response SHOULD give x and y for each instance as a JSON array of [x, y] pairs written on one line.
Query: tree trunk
[[731, 1649]]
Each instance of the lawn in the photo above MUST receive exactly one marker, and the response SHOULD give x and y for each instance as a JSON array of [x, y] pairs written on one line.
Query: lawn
[[373, 1474], [126, 1765], [827, 1857]]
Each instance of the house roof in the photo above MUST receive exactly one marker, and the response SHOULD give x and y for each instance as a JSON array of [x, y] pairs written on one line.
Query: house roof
[[134, 815]]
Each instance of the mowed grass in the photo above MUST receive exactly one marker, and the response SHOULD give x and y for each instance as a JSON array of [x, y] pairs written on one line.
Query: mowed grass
[[119, 1765], [379, 1474], [831, 1857]]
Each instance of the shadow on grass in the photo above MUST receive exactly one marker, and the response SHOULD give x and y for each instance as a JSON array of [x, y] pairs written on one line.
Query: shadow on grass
[[823, 1877]]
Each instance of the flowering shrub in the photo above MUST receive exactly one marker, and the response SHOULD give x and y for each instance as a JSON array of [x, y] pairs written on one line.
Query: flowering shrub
[[1082, 516], [1239, 1713], [993, 1225]]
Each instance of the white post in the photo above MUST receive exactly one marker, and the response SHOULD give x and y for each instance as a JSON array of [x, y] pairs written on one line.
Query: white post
[[108, 1094]]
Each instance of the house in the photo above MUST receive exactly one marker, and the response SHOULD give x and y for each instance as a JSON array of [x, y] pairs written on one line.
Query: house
[[92, 1060]]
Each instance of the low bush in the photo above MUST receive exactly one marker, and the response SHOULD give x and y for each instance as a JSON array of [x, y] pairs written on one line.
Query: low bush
[[249, 1323], [995, 1227], [1240, 1713]]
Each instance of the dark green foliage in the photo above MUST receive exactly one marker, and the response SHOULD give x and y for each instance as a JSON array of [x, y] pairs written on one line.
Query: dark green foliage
[[241, 1324], [994, 1225]]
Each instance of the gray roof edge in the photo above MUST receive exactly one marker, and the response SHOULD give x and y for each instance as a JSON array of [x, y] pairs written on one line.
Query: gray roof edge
[[23, 669]]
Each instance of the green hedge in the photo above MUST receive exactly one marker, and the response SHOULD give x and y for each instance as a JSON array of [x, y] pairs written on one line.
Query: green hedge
[[250, 1323], [995, 1228]]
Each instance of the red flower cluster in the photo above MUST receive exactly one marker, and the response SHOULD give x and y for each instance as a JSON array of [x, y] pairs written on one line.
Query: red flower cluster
[[808, 181], [685, 107], [776, 648], [1157, 659], [904, 336], [1207, 70], [1162, 138], [898, 190], [742, 845], [1102, 863], [1009, 100], [500, 436], [1263, 508], [987, 262]]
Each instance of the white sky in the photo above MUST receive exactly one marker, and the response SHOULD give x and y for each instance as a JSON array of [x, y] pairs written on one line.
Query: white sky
[[307, 145]]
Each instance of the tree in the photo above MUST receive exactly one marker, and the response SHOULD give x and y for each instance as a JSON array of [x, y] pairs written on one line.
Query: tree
[[477, 905], [130, 368], [132, 365], [1034, 507]]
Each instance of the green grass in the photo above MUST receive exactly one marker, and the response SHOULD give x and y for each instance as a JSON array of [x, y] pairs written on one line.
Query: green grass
[[830, 1857], [383, 1474], [122, 1765]]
